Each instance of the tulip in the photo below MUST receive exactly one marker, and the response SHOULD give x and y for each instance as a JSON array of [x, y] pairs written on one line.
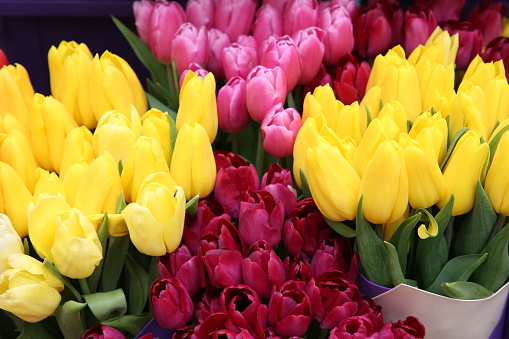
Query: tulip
[[156, 220], [196, 69], [411, 327], [181, 264], [448, 43], [234, 17], [192, 165], [283, 52], [349, 125], [262, 269], [115, 86], [470, 41], [353, 327], [9, 123], [279, 130], [278, 182], [497, 50], [48, 183], [322, 101], [339, 35], [309, 42], [487, 16], [189, 45], [165, 19], [280, 5], [428, 127], [156, 124], [265, 87], [482, 73], [102, 332], [443, 10], [142, 12], [269, 20], [323, 78], [232, 111], [299, 14], [388, 162], [351, 79], [420, 22], [3, 59], [171, 304], [50, 124], [372, 31], [28, 288], [290, 311], [297, 269], [333, 298], [77, 148], [248, 41], [216, 326], [217, 42], [207, 305], [260, 218], [70, 67], [335, 255], [466, 165], [10, 242], [198, 103], [469, 109], [201, 13], [14, 198], [234, 177], [496, 183], [116, 133], [11, 146], [238, 60], [244, 308], [16, 93]]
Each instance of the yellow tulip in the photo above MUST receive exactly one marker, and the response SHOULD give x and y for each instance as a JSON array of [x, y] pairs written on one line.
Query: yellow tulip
[[497, 97], [450, 44], [146, 156], [466, 165], [349, 122], [156, 124], [192, 165], [497, 178], [395, 57], [322, 101], [370, 104], [115, 86], [388, 229], [70, 66], [116, 224], [100, 187], [385, 184], [9, 123], [72, 180], [10, 242], [13, 145], [77, 148], [156, 220], [116, 133], [432, 126], [50, 124], [16, 92], [333, 181], [48, 183], [197, 103], [436, 81], [425, 181], [470, 109], [14, 198], [28, 289], [481, 73], [397, 113]]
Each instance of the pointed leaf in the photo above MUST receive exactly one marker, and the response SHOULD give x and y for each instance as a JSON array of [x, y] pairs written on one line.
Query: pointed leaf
[[393, 266], [69, 319], [173, 130], [93, 280], [114, 262], [137, 285], [64, 279], [306, 192], [451, 146], [107, 305], [121, 203], [156, 103], [192, 205], [401, 239], [444, 216], [465, 290], [341, 228], [495, 140]]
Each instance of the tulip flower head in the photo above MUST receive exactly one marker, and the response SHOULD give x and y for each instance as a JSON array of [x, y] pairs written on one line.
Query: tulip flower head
[[10, 242], [279, 130]]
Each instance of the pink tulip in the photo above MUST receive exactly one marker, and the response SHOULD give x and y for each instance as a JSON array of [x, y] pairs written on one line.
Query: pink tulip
[[309, 42], [338, 40], [268, 21], [444, 9], [265, 87], [349, 5], [183, 265], [171, 304], [280, 5], [372, 31], [190, 45], [217, 42], [470, 41], [235, 17], [297, 269], [249, 41], [487, 16], [299, 14], [351, 79], [278, 182], [196, 69], [231, 106], [336, 255], [238, 60], [102, 332], [279, 130], [201, 12], [142, 12], [165, 20]]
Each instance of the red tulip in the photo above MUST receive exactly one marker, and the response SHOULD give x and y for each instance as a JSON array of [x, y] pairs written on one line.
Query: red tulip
[[409, 328], [351, 79], [278, 182], [487, 16], [238, 60], [396, 17], [232, 114], [339, 34], [355, 327], [208, 305], [372, 311], [214, 327], [443, 9], [102, 332], [235, 17], [171, 304], [186, 332], [279, 130], [298, 269], [3, 59], [190, 45], [201, 12], [183, 265], [336, 255], [269, 20], [420, 22], [470, 41], [498, 49], [217, 42], [309, 42], [372, 31]]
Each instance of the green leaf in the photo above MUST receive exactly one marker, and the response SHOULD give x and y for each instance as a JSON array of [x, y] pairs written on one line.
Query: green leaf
[[93, 280], [495, 140], [173, 131], [368, 115], [107, 305], [473, 233], [453, 143], [26, 246], [114, 262], [137, 285], [465, 290], [372, 252], [69, 319], [142, 51], [457, 269], [156, 103], [393, 266], [401, 239], [306, 192], [130, 323], [444, 216], [121, 203], [341, 228], [495, 271], [45, 329], [192, 205], [64, 279], [161, 94]]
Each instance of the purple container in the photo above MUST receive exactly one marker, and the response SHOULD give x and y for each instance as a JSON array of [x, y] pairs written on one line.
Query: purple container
[[156, 330]]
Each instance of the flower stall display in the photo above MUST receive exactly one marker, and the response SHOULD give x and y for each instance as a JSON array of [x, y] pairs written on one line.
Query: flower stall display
[[291, 169]]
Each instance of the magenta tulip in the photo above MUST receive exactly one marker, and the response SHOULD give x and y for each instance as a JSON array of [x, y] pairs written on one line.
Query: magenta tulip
[[217, 42], [487, 16], [372, 31], [298, 269], [409, 328], [470, 41], [309, 42], [201, 12], [249, 41], [498, 49], [183, 265], [444, 9], [278, 182], [279, 130], [238, 60], [171, 304], [336, 255], [351, 79], [232, 114], [355, 327], [269, 20], [196, 69], [190, 45], [235, 17], [102, 332], [299, 14], [420, 22], [208, 304], [142, 13], [186, 332], [339, 39]]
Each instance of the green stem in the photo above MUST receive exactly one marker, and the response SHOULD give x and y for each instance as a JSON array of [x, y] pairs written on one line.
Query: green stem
[[289, 100], [173, 89], [260, 152], [324, 333], [498, 225], [235, 143], [84, 286]]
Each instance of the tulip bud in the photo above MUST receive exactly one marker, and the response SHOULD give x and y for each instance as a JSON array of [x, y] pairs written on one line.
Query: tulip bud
[[265, 87], [309, 42], [103, 331], [142, 12], [217, 42], [466, 165], [70, 67], [28, 288], [388, 162], [449, 45], [497, 50], [156, 124], [201, 13], [470, 41], [420, 22], [278, 182], [115, 86], [335, 255], [16, 93], [77, 148], [410, 327], [354, 326], [431, 126], [299, 14], [279, 130], [238, 60], [322, 101], [351, 79], [234, 17], [171, 304], [487, 16], [269, 20], [496, 183], [192, 164], [10, 242], [165, 19], [339, 35], [181, 264], [298, 270], [198, 103], [443, 10], [372, 31], [232, 111], [190, 44], [469, 109]]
